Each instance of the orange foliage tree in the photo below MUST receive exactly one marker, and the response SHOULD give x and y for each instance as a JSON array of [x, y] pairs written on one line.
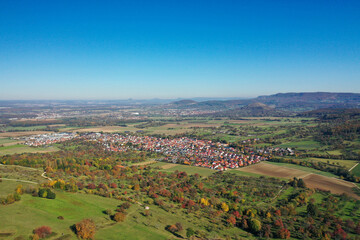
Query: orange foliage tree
[[119, 217], [85, 229]]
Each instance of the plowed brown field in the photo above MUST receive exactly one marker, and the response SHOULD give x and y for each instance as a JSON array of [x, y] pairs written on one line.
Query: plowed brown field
[[273, 170], [311, 180]]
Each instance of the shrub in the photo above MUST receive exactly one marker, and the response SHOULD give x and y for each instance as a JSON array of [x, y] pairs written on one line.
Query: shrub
[[190, 232], [35, 237], [17, 197], [126, 205], [108, 212], [174, 228], [46, 193], [91, 186], [42, 193], [119, 217], [43, 231], [50, 194]]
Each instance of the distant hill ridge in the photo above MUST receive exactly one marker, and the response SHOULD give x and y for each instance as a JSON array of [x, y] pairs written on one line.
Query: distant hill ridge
[[278, 104]]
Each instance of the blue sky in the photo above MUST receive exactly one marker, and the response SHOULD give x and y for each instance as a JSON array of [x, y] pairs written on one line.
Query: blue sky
[[170, 49]]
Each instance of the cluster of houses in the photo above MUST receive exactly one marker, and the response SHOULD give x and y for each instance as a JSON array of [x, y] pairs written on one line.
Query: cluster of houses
[[46, 139], [203, 153]]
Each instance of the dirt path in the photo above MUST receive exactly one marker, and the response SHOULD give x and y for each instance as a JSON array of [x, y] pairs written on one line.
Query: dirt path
[[353, 167], [18, 180], [28, 168], [43, 175]]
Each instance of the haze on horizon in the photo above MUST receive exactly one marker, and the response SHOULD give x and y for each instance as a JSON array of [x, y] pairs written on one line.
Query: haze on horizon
[[177, 49]]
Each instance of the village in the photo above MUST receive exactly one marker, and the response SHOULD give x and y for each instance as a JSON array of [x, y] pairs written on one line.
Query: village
[[201, 153], [47, 139]]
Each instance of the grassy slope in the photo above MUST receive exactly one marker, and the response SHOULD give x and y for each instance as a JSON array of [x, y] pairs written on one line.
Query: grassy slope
[[31, 212], [22, 217], [8, 187]]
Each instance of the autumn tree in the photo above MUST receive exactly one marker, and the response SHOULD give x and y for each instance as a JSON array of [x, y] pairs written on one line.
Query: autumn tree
[[284, 233], [224, 207], [179, 226], [231, 220], [119, 217], [42, 231], [85, 229]]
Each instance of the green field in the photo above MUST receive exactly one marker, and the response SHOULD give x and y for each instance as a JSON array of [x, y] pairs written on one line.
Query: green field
[[31, 128], [183, 168], [301, 145], [19, 148], [6, 140], [8, 187], [346, 163], [305, 169]]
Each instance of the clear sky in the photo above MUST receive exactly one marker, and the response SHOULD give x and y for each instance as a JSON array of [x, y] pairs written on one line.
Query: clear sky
[[170, 49]]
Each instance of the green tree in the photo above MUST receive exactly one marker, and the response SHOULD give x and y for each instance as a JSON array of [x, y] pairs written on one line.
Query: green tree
[[50, 194], [312, 209], [255, 225]]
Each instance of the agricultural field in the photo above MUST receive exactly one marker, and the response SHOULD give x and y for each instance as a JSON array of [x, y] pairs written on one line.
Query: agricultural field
[[18, 129], [22, 134], [312, 178], [170, 167], [348, 164], [20, 148], [4, 141], [301, 145]]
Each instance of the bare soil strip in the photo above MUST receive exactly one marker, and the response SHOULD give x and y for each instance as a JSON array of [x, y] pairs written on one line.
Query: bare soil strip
[[271, 170]]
